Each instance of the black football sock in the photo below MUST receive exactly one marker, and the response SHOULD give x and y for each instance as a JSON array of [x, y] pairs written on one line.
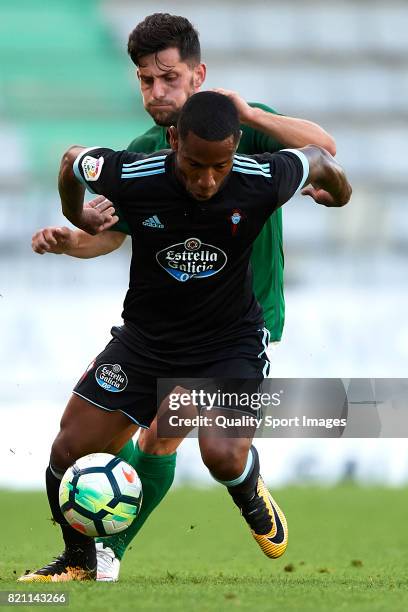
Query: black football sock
[[79, 547], [245, 489]]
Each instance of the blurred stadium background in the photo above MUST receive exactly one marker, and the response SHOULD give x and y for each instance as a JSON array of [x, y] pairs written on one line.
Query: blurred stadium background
[[65, 78]]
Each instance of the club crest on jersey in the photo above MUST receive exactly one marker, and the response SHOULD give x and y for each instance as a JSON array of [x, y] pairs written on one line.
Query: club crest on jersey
[[191, 259], [92, 167], [235, 219], [111, 377]]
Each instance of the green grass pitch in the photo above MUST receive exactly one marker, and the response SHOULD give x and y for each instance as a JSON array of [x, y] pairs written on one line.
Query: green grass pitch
[[348, 550]]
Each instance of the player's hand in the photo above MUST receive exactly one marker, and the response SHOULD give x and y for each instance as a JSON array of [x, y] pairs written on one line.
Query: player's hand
[[244, 110], [100, 199], [55, 240], [321, 196], [97, 216]]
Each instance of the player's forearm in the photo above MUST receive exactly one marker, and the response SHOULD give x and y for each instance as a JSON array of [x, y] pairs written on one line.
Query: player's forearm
[[291, 132], [70, 189], [326, 174], [86, 246]]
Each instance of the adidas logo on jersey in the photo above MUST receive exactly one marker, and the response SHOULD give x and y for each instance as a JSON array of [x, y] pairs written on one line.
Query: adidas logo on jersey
[[153, 222]]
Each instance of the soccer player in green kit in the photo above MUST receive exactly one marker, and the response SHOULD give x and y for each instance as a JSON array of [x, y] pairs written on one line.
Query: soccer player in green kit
[[166, 51]]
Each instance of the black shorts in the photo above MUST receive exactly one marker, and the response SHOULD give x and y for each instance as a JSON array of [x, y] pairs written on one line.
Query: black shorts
[[126, 380]]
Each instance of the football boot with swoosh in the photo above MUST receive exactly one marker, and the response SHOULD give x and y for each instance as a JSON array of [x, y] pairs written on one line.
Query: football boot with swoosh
[[62, 569], [267, 522]]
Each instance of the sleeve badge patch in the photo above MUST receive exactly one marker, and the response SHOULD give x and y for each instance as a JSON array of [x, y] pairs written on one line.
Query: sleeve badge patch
[[92, 167]]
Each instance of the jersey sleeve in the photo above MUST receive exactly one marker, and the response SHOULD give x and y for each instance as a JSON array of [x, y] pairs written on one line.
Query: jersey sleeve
[[100, 170], [289, 173]]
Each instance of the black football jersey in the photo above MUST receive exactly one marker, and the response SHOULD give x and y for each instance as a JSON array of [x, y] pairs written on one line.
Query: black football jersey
[[190, 278]]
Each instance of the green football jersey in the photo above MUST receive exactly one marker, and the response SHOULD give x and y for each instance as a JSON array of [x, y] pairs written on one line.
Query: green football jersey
[[267, 253]]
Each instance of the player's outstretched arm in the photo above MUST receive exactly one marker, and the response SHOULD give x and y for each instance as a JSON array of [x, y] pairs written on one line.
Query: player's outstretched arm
[[328, 182], [75, 243], [92, 220], [290, 131]]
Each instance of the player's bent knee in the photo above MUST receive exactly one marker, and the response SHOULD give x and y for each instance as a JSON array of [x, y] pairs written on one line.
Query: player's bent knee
[[65, 450]]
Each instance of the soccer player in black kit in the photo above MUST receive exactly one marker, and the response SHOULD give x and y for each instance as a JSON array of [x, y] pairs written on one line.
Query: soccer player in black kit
[[190, 311]]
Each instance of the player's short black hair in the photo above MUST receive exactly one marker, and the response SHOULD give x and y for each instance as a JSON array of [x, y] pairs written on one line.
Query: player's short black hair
[[162, 31], [209, 115]]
